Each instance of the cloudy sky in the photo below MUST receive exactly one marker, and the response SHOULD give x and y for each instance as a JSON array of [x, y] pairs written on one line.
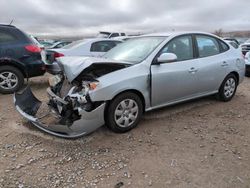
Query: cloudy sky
[[80, 17]]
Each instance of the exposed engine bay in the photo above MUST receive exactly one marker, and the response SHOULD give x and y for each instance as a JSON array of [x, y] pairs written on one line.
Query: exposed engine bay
[[67, 99]]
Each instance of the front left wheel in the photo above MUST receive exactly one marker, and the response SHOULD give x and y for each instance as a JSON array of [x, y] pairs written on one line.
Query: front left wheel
[[124, 112]]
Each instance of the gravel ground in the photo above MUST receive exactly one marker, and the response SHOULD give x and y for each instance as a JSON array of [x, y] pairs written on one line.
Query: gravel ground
[[203, 143]]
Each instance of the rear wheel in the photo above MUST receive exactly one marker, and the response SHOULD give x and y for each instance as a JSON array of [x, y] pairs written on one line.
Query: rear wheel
[[228, 88], [11, 79], [124, 112]]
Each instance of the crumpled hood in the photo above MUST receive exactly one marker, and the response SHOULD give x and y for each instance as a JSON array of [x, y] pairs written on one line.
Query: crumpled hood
[[73, 66]]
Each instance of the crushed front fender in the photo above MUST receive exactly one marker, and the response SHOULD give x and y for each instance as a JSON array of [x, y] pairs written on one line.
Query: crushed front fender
[[28, 105]]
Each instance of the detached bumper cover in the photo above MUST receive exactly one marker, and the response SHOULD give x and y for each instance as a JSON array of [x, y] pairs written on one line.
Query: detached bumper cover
[[28, 105]]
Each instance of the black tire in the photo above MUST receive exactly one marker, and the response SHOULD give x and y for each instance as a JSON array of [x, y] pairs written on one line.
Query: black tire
[[115, 104], [17, 73], [221, 94]]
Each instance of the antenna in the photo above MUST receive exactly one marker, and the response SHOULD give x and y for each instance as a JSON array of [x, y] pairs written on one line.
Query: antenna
[[11, 22]]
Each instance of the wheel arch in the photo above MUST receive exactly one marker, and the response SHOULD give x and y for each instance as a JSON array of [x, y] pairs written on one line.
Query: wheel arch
[[138, 93], [13, 63], [236, 74]]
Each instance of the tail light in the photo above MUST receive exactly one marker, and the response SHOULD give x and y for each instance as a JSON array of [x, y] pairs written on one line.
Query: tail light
[[57, 55], [33, 48]]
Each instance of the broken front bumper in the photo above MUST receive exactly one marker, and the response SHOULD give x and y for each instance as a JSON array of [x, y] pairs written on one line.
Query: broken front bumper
[[28, 105]]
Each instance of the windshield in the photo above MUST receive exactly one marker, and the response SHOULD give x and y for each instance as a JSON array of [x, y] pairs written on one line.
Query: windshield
[[134, 50]]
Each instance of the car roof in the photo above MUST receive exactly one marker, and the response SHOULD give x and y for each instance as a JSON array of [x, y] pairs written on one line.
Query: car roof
[[5, 25], [176, 33], [100, 39]]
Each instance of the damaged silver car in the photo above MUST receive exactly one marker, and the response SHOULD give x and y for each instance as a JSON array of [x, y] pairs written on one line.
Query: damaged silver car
[[140, 75]]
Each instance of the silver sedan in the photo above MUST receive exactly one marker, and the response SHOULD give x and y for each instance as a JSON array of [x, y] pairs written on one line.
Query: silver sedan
[[142, 74]]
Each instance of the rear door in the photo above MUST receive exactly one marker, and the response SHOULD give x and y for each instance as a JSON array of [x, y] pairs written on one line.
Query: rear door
[[213, 63], [176, 81]]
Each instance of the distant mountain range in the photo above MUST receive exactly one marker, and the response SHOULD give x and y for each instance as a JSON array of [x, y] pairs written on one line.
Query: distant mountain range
[[237, 34]]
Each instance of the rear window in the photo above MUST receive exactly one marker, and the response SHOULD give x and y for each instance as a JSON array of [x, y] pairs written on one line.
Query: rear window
[[6, 37], [224, 46], [103, 46]]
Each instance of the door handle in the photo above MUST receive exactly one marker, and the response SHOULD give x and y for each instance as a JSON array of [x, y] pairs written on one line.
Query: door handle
[[192, 70], [224, 64]]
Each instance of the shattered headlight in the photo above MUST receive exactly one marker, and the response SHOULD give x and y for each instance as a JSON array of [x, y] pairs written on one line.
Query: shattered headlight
[[89, 85]]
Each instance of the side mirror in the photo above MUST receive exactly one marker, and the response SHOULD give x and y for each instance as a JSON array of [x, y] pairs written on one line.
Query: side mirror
[[167, 58]]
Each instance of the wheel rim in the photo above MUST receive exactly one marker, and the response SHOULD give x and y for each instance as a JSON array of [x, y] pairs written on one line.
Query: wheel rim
[[229, 87], [126, 113], [8, 80]]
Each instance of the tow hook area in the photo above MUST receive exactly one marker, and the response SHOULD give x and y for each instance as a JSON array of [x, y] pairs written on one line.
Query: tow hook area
[[46, 120]]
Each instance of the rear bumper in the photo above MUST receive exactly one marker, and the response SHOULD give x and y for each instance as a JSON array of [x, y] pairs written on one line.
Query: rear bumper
[[28, 105], [35, 68]]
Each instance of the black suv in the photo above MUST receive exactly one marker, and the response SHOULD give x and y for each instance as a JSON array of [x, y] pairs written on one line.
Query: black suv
[[20, 58]]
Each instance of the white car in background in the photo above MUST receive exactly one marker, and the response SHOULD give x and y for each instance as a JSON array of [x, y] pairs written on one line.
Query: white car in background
[[247, 59], [245, 47], [234, 44], [88, 47], [105, 34]]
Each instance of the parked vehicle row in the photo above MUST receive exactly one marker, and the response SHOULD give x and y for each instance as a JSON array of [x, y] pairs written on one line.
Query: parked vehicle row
[[23, 56], [141, 74], [232, 40]]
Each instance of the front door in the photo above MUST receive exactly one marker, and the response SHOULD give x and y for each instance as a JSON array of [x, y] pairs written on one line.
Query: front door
[[176, 81]]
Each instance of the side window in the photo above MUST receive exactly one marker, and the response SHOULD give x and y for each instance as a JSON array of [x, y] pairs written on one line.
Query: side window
[[207, 46], [102, 46], [181, 46], [6, 37]]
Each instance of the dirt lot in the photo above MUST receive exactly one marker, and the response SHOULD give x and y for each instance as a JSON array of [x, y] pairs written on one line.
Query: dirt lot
[[203, 143]]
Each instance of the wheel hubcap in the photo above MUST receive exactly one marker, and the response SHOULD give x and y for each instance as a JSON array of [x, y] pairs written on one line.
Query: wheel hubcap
[[229, 87], [126, 113], [8, 80]]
